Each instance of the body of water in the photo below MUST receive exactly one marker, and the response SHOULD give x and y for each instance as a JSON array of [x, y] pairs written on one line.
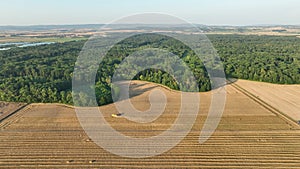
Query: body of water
[[10, 45]]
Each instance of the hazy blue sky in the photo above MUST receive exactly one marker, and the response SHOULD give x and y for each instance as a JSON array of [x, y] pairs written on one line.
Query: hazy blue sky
[[212, 12]]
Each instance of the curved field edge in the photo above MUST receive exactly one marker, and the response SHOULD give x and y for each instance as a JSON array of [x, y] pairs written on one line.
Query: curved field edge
[[248, 136]]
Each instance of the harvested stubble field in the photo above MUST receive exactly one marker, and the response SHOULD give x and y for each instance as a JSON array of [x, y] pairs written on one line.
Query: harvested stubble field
[[248, 136], [285, 98], [6, 109]]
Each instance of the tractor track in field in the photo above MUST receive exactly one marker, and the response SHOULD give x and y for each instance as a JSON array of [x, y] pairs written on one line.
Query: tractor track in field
[[13, 113], [264, 104]]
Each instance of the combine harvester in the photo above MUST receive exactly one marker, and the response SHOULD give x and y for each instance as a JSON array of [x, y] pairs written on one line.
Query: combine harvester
[[117, 115]]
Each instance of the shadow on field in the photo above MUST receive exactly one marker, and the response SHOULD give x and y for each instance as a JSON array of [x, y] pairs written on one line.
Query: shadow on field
[[135, 89]]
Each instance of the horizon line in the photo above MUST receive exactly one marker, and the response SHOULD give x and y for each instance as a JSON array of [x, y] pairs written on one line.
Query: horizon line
[[216, 25]]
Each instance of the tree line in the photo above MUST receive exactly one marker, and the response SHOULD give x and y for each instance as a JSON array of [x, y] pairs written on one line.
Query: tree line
[[44, 73]]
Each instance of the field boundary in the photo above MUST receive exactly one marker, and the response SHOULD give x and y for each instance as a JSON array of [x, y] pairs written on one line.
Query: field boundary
[[267, 106], [13, 112]]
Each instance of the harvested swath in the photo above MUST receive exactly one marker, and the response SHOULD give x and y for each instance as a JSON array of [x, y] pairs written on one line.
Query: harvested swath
[[248, 136]]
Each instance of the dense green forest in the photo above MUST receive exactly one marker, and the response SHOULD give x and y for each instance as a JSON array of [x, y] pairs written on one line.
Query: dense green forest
[[273, 59], [44, 73]]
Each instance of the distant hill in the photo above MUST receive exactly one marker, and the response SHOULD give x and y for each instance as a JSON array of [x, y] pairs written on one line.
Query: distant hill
[[50, 27]]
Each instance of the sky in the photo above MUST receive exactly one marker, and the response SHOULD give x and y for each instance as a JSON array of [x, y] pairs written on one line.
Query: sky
[[209, 12]]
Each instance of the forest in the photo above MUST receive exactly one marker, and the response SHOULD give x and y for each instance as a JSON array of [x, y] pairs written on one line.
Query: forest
[[44, 73]]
